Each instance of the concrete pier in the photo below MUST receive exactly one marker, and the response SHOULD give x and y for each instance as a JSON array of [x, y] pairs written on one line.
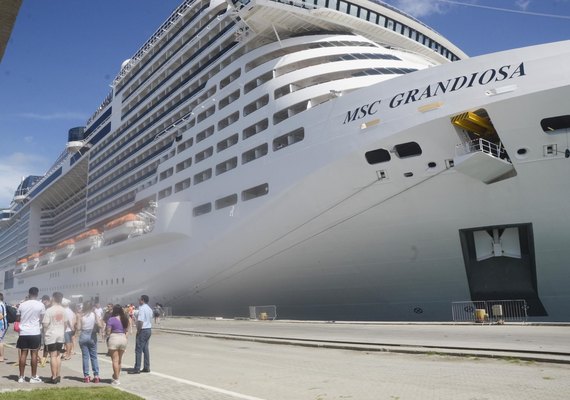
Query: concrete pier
[[194, 358]]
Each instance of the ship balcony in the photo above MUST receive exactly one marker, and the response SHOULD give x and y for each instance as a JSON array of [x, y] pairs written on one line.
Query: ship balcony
[[483, 160]]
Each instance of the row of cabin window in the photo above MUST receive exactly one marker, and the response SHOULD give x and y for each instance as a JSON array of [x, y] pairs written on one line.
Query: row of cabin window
[[307, 82], [231, 163], [232, 199], [260, 126], [282, 115], [305, 63], [252, 84], [106, 282], [279, 143]]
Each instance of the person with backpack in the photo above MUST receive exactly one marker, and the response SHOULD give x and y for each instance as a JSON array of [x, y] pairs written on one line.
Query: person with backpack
[[3, 326]]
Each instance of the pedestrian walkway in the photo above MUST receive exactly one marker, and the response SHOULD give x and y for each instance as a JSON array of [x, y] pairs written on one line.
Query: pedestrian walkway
[[217, 359]]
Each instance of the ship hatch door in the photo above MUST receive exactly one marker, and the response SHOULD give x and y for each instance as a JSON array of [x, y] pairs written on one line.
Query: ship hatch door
[[500, 264], [480, 154]]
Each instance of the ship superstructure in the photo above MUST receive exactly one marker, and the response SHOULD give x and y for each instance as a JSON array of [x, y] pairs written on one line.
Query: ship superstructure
[[328, 157]]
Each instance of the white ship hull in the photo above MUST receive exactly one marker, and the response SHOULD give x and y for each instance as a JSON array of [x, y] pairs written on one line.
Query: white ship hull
[[336, 237]]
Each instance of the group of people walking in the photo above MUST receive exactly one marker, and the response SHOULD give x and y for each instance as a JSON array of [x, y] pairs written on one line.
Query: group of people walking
[[52, 324]]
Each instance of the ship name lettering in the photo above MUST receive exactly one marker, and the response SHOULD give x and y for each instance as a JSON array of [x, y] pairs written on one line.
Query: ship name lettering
[[458, 83], [362, 111]]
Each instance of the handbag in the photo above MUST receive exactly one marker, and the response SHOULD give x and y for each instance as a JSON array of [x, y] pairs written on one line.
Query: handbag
[[17, 326]]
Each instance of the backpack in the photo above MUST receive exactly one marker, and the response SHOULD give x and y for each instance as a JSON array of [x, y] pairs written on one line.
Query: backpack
[[10, 314]]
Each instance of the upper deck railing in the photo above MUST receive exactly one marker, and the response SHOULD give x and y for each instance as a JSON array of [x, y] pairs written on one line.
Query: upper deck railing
[[160, 32]]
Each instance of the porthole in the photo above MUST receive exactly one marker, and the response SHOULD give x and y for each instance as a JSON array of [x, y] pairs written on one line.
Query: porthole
[[408, 174], [408, 149], [377, 156], [558, 124], [522, 153], [432, 164]]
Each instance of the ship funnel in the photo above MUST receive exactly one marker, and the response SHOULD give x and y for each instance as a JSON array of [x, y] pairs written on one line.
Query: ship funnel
[[75, 139]]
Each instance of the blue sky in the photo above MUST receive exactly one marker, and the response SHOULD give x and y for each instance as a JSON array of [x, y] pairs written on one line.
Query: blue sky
[[63, 54]]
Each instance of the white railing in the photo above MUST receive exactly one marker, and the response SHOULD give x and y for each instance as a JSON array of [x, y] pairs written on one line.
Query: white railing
[[490, 311], [482, 145], [160, 32]]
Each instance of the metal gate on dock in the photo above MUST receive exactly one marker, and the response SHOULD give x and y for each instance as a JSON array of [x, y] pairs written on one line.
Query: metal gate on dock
[[263, 312], [490, 311]]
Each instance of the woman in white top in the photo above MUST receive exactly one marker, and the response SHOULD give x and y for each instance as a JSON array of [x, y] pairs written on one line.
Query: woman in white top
[[88, 324]]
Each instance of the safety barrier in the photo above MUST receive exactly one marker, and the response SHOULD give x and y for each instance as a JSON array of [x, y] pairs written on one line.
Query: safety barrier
[[263, 312], [490, 311]]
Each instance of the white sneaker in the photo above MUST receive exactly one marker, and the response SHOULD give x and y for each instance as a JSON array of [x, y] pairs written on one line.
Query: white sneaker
[[21, 379], [35, 379], [115, 382]]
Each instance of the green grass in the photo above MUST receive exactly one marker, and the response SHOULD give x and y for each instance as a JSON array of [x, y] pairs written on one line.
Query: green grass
[[105, 393]]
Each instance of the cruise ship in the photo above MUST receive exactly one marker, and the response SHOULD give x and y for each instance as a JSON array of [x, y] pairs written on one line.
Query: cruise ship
[[336, 160]]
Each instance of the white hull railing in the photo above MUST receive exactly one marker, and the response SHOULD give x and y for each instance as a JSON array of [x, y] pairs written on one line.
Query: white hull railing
[[481, 145]]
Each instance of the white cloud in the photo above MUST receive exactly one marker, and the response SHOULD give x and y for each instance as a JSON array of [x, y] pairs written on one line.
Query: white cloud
[[421, 8], [523, 4], [15, 167]]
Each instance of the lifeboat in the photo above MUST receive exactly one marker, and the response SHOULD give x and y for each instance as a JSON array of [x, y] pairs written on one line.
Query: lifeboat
[[121, 221], [33, 260], [122, 228], [21, 265], [88, 240], [64, 249], [47, 256]]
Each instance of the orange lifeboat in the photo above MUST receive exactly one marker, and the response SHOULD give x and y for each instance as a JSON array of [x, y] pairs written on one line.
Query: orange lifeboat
[[121, 220], [21, 265], [33, 260], [88, 234], [65, 243], [47, 255], [46, 250], [87, 241], [124, 227]]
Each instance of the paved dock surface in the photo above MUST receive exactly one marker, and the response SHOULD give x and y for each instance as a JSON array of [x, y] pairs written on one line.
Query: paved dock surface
[[287, 360]]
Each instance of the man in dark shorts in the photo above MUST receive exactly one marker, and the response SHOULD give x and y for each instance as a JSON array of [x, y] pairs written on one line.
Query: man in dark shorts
[[30, 314], [54, 322]]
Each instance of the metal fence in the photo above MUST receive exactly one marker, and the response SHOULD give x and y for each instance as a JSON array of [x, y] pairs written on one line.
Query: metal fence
[[490, 311], [263, 312]]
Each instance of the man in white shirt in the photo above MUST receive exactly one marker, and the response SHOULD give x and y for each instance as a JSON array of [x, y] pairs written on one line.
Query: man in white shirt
[[30, 314], [144, 324]]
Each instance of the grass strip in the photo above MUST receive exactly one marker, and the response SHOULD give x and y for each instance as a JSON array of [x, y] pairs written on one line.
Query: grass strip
[[70, 393]]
